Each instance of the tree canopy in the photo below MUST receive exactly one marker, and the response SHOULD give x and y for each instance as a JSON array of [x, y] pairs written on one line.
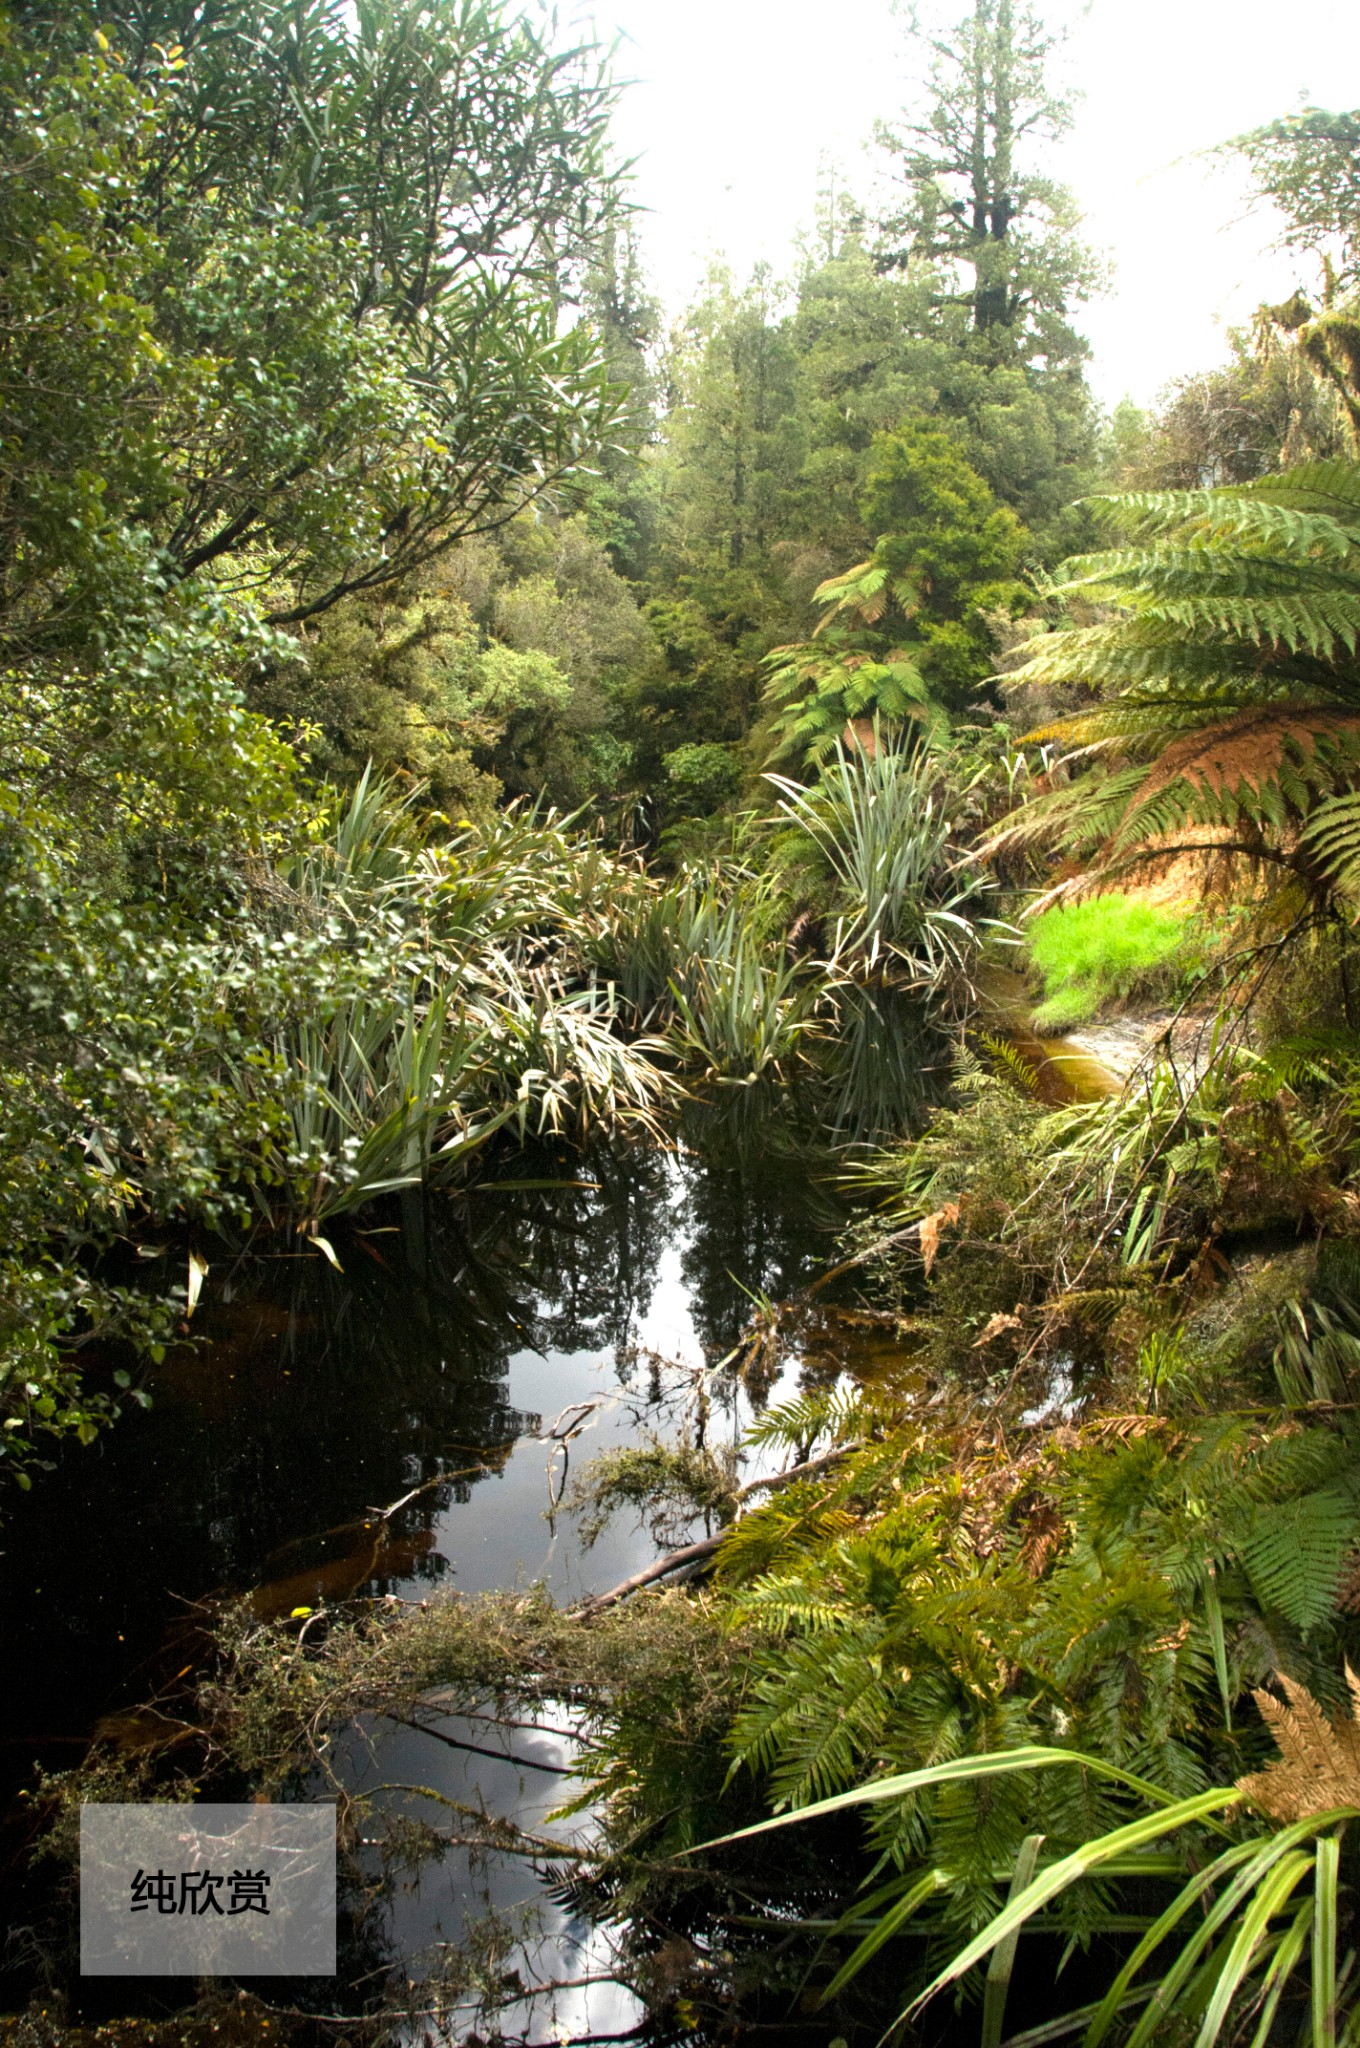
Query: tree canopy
[[977, 203]]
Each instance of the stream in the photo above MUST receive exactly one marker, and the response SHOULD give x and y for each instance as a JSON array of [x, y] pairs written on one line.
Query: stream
[[407, 1425], [470, 1347]]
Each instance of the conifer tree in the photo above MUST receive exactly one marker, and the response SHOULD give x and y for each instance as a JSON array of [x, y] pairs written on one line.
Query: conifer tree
[[1308, 165], [976, 202]]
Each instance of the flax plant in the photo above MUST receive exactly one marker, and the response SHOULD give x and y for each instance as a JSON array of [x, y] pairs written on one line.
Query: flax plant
[[702, 957], [377, 1102], [882, 819], [460, 999], [739, 1012]]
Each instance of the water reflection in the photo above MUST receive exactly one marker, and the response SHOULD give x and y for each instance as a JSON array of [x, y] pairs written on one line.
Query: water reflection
[[431, 1362], [390, 1429], [881, 1067]]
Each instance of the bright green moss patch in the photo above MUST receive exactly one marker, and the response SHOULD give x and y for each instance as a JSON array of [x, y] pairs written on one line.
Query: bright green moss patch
[[1092, 953]]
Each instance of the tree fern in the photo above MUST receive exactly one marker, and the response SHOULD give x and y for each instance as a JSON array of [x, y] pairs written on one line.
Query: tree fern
[[1228, 662], [906, 635]]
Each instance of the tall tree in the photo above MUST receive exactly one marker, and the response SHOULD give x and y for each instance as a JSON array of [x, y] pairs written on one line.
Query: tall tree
[[909, 633], [1308, 165], [873, 347], [1264, 409], [720, 481], [977, 203], [347, 236], [620, 310], [734, 445]]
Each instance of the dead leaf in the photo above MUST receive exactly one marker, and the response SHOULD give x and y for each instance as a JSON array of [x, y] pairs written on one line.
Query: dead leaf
[[1046, 1535], [198, 1273], [1318, 1767], [995, 1327], [931, 1227]]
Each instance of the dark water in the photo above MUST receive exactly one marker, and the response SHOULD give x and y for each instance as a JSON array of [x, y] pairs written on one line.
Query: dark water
[[435, 1366]]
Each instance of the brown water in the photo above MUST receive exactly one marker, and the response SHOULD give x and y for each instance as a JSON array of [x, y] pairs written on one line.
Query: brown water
[[1064, 1071]]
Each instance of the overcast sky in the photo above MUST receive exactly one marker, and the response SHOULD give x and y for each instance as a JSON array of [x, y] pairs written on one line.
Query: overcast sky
[[737, 100]]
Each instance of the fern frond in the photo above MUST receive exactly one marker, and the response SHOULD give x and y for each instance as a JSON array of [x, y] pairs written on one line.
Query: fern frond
[[1008, 1055], [1330, 489], [1078, 816], [1176, 567], [1254, 771], [818, 1719], [780, 1603], [1318, 1767], [1332, 838], [1307, 510], [1217, 770], [1296, 1554], [1323, 622], [796, 1424]]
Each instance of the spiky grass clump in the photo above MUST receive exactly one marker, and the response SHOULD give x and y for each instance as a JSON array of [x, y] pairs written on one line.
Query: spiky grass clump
[[907, 901]]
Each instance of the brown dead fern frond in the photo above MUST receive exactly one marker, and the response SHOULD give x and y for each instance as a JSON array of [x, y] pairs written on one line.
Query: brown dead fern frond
[[1047, 1532], [1249, 748], [1318, 1767]]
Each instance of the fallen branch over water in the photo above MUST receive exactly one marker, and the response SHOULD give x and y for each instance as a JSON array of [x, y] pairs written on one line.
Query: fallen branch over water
[[692, 1554], [675, 1560]]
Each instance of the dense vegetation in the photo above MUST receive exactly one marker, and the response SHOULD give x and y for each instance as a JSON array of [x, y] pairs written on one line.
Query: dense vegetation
[[439, 709]]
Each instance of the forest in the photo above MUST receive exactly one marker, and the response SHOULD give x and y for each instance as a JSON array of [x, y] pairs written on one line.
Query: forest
[[505, 789]]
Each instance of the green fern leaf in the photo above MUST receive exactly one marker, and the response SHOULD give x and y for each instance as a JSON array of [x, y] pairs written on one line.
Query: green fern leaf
[[1296, 1552]]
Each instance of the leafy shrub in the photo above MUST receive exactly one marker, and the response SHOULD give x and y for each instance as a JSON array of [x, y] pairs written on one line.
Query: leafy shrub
[[1094, 952], [701, 779]]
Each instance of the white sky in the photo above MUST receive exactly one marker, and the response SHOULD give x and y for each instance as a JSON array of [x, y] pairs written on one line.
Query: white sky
[[736, 101]]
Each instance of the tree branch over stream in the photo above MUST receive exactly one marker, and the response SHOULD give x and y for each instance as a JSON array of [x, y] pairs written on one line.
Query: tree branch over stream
[[690, 1555]]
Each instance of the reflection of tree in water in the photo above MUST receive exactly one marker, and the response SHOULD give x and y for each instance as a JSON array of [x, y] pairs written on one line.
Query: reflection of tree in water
[[880, 1068], [761, 1198], [594, 1251], [760, 1206], [322, 1396], [319, 1396]]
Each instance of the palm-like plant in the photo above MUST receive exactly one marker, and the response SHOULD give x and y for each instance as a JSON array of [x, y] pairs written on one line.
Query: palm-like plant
[[648, 938], [851, 672], [739, 1012], [909, 633], [703, 957], [376, 1101], [1227, 668]]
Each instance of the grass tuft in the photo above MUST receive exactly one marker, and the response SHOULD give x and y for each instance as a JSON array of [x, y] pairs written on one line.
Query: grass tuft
[[1098, 952]]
